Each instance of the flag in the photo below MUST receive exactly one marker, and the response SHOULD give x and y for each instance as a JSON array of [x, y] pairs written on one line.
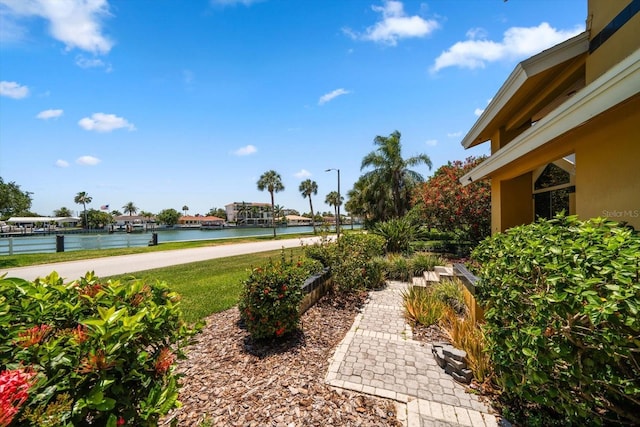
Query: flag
[[104, 207]]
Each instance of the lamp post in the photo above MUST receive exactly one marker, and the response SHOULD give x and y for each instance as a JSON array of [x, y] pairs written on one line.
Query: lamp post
[[339, 202]]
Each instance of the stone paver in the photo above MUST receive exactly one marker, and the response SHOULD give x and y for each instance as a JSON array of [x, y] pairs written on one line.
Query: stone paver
[[379, 357]]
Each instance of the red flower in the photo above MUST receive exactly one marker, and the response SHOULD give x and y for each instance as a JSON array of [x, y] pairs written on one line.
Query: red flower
[[95, 362], [120, 421], [164, 361], [80, 334], [280, 331], [266, 291], [90, 290], [33, 336], [14, 392]]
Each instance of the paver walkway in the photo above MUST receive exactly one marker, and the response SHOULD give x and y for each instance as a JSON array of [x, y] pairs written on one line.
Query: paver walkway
[[379, 357]]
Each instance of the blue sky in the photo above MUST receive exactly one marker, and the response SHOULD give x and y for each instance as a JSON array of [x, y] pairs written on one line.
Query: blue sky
[[167, 103]]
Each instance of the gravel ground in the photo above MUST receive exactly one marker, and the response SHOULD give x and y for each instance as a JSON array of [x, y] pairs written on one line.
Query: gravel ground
[[231, 380]]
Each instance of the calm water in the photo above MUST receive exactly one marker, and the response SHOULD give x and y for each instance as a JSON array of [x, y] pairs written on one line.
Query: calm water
[[47, 243]]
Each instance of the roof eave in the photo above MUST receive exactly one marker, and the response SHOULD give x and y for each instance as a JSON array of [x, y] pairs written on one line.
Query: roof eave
[[522, 72], [620, 83]]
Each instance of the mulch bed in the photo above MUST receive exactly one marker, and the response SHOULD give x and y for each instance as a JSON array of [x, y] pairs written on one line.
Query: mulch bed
[[231, 380]]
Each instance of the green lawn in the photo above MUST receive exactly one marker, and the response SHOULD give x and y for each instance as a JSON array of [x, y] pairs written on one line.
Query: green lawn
[[209, 286]]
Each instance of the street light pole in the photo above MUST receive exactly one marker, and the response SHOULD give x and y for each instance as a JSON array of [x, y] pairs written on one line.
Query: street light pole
[[339, 202]]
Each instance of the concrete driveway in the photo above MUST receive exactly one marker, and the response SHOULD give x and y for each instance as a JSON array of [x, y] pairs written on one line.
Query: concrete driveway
[[124, 264]]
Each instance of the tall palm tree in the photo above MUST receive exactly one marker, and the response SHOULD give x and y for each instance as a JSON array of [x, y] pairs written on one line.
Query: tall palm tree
[[185, 208], [272, 182], [307, 188], [278, 211], [390, 170], [83, 198], [130, 208], [243, 209], [255, 214], [334, 199], [147, 216]]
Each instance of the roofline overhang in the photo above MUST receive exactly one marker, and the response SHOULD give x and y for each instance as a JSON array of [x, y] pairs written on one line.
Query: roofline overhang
[[618, 84], [546, 59]]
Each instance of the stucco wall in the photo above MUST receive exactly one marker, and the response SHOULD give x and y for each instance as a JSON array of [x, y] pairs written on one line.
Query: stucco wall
[[608, 166]]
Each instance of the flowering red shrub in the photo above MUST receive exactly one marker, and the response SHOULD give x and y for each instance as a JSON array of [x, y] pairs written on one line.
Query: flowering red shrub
[[270, 301], [14, 392], [448, 206], [98, 352]]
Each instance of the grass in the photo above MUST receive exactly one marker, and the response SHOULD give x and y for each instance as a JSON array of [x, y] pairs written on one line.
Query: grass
[[25, 260], [210, 286]]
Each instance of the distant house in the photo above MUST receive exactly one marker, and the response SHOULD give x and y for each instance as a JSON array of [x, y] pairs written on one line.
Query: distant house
[[564, 128], [249, 213], [43, 221], [298, 220], [133, 222], [201, 221]]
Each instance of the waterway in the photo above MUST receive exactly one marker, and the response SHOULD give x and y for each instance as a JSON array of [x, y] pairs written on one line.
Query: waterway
[[47, 243]]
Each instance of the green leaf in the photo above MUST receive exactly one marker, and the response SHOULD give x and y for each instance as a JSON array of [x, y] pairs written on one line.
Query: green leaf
[[528, 352]]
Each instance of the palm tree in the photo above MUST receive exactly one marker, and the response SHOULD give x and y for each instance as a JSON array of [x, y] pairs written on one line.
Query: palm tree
[[83, 198], [272, 182], [255, 214], [307, 188], [185, 208], [130, 208], [334, 199], [243, 209], [391, 171], [147, 216], [278, 211]]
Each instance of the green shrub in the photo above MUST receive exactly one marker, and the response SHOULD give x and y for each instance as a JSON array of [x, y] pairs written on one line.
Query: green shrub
[[450, 292], [271, 297], [101, 352], [353, 263], [561, 301], [323, 251], [398, 234], [423, 261], [398, 267]]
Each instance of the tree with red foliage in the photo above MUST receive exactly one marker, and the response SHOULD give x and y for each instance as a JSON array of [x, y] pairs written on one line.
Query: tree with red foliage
[[448, 206]]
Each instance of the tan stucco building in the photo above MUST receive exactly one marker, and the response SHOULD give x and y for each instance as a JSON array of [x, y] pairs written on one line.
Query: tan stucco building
[[564, 128]]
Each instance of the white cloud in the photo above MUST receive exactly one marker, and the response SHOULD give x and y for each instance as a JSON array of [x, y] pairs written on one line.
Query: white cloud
[[62, 163], [517, 43], [303, 173], [49, 114], [87, 161], [76, 23], [478, 111], [245, 151], [101, 122], [431, 142], [454, 134], [395, 25], [83, 62], [13, 90], [331, 95], [477, 33]]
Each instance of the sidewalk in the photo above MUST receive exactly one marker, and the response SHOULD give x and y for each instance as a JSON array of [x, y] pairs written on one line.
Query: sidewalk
[[125, 264], [378, 357]]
